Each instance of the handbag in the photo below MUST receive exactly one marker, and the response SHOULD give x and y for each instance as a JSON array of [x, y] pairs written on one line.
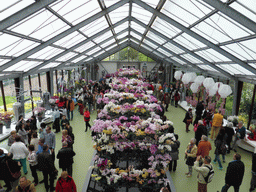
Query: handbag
[[15, 175]]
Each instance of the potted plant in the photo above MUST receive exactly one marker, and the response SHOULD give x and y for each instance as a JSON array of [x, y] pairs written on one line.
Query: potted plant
[[39, 111], [7, 118]]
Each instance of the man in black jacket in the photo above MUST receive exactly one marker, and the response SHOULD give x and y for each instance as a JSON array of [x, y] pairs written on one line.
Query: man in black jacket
[[234, 174], [65, 156], [46, 165], [201, 130]]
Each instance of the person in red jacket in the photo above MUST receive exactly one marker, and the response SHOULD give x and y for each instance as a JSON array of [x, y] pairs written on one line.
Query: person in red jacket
[[87, 118], [65, 183]]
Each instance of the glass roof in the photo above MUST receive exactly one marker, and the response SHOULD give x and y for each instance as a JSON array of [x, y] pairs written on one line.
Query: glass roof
[[187, 31]]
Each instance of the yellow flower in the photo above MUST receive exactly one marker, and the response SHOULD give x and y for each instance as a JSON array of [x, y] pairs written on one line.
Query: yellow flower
[[98, 148], [117, 170], [97, 178], [94, 175], [158, 174]]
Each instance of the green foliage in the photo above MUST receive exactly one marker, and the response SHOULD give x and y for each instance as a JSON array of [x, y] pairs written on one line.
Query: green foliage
[[83, 74]]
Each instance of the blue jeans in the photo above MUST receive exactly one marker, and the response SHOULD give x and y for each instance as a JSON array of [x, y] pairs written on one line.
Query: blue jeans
[[68, 113], [217, 158], [226, 187]]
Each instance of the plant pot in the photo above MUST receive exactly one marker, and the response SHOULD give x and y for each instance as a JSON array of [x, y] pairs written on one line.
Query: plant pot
[[1, 128], [8, 124]]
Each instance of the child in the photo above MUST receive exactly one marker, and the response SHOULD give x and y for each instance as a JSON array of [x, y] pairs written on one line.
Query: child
[[32, 159]]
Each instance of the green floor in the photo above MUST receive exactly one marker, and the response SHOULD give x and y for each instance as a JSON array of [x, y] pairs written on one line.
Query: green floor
[[84, 151]]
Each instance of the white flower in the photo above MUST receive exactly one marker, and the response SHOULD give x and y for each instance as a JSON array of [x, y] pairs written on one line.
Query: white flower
[[168, 123]]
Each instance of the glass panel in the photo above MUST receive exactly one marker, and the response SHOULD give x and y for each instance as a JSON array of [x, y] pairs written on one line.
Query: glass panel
[[136, 36], [10, 7], [249, 4], [77, 11], [250, 47], [151, 3], [159, 54], [108, 43], [85, 47], [108, 3], [66, 57], [95, 27], [189, 42], [14, 46], [23, 66], [3, 61], [51, 65], [103, 37], [212, 55], [173, 48], [111, 47], [42, 25], [93, 51], [79, 59], [137, 27], [191, 58], [46, 53], [206, 67], [141, 14], [70, 40], [43, 82], [101, 52], [121, 27], [229, 68], [164, 52], [242, 69], [119, 13], [165, 28], [122, 35], [146, 47], [135, 41], [150, 44], [178, 60], [245, 11], [156, 37], [238, 50]]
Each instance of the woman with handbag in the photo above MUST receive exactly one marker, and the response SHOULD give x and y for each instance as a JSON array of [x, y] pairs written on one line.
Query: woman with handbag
[[188, 119], [87, 118], [190, 156]]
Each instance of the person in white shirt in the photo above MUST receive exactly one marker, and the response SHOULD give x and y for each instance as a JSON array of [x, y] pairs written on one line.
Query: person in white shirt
[[32, 159], [34, 141], [20, 152]]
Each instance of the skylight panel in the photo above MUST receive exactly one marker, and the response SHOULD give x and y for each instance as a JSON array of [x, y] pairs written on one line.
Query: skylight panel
[[23, 66], [230, 69], [108, 3], [85, 47], [243, 10], [141, 14], [46, 53], [93, 51], [156, 38], [178, 60], [119, 13], [50, 65], [189, 42], [159, 54], [164, 52], [173, 48], [107, 43], [98, 54], [134, 41], [135, 35], [70, 40], [165, 28], [151, 3], [10, 7], [191, 58], [103, 37], [67, 56], [150, 44], [121, 27], [239, 51], [250, 47], [207, 67], [42, 25], [146, 47], [79, 59], [242, 69], [122, 35], [212, 56], [249, 4], [3, 61], [111, 47], [137, 27], [77, 11], [95, 27]]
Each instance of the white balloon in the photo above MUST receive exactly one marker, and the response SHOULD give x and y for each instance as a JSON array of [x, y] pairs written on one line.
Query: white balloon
[[186, 78], [193, 76], [208, 83], [212, 92], [177, 75], [217, 86], [199, 79], [194, 87], [224, 91]]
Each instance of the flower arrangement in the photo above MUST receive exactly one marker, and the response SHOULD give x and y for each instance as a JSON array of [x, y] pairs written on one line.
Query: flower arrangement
[[7, 115], [39, 110], [234, 119]]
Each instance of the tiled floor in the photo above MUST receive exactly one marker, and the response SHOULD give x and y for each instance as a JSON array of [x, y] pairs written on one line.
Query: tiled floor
[[84, 151]]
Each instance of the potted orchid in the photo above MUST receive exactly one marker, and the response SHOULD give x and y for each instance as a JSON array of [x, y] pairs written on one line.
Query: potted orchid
[[39, 112], [7, 118]]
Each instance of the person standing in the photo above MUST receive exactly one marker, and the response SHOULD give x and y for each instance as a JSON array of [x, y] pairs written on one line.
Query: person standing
[[190, 156], [235, 173], [199, 111], [87, 118], [203, 171], [176, 98], [20, 152], [167, 100], [65, 156], [11, 139], [65, 183], [70, 105], [25, 185], [174, 153], [201, 130], [56, 123], [240, 134], [34, 141], [23, 133], [204, 147], [188, 119], [216, 124], [46, 165], [32, 159], [219, 142], [50, 141], [64, 121]]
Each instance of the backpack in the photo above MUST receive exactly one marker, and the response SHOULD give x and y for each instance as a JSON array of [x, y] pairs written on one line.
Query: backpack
[[223, 148], [210, 175]]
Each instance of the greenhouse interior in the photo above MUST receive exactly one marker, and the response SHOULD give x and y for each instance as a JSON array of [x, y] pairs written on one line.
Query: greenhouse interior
[[137, 73]]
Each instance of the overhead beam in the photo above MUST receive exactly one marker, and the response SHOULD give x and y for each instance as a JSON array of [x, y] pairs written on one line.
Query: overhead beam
[[76, 46], [195, 35], [184, 49], [233, 14], [63, 34], [24, 13]]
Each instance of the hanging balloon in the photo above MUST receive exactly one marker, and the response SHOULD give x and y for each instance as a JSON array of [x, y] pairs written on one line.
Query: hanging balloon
[[217, 86], [194, 87], [212, 92], [199, 79], [186, 78], [224, 91], [177, 75], [193, 76], [208, 83]]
